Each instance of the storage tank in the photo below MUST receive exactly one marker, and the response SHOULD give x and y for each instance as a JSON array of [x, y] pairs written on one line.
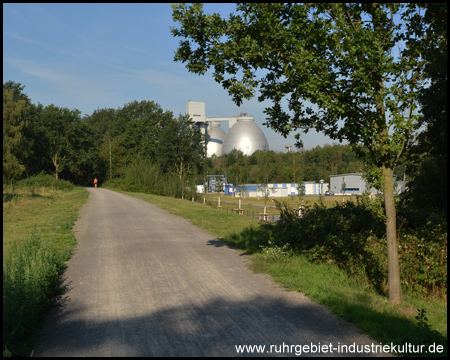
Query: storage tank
[[214, 139], [246, 136]]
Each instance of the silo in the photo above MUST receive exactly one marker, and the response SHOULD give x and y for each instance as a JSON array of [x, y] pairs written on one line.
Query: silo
[[246, 136], [214, 139]]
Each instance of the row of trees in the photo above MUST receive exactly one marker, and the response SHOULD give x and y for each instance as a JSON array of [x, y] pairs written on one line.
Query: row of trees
[[269, 166], [105, 144]]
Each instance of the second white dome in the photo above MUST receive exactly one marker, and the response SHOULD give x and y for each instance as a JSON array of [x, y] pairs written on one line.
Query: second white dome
[[214, 139]]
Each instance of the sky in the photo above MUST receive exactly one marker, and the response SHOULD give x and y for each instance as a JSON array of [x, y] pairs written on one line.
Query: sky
[[96, 56]]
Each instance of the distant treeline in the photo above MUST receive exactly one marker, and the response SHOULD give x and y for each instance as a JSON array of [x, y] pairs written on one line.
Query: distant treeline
[[140, 140], [276, 167], [137, 139]]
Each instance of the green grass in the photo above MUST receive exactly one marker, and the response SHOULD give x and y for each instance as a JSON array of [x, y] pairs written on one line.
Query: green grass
[[253, 206], [38, 216], [292, 201], [51, 211], [358, 303], [352, 298]]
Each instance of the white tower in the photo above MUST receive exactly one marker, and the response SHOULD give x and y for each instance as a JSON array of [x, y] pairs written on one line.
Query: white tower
[[196, 110]]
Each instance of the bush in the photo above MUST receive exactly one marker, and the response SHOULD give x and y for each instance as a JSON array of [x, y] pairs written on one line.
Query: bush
[[353, 237], [423, 198], [423, 258], [30, 278], [156, 183], [44, 180]]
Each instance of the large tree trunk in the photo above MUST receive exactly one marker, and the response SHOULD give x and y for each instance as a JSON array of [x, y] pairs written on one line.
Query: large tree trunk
[[395, 290]]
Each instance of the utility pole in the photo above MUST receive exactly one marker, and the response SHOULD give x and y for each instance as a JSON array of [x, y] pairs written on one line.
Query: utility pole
[[110, 162]]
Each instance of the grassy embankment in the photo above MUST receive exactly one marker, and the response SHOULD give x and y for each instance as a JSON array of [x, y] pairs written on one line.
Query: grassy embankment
[[352, 298], [38, 215]]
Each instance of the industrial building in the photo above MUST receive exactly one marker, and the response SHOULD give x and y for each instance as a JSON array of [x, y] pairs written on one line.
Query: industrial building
[[243, 133], [284, 189], [342, 184], [216, 182], [354, 184]]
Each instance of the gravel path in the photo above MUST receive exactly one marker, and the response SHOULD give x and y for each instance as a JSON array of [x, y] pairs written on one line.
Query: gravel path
[[144, 282]]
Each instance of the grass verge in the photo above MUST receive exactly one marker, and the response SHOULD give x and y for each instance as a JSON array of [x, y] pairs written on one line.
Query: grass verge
[[351, 298], [355, 301], [37, 240], [291, 201]]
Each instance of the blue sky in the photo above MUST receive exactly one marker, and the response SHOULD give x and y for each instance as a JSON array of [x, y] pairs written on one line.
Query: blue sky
[[94, 56]]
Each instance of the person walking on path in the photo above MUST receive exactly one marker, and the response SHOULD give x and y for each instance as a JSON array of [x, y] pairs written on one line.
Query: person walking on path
[[95, 182]]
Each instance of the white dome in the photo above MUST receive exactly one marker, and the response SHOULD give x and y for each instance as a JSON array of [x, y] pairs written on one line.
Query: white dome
[[214, 139], [246, 136]]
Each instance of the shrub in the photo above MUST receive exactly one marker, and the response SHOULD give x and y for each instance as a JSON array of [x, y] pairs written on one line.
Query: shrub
[[353, 237], [423, 258], [30, 278], [44, 180]]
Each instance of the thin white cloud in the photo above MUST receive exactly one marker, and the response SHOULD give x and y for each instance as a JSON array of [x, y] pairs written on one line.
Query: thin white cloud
[[33, 68], [55, 49], [163, 80], [67, 51], [69, 80], [23, 38], [139, 50]]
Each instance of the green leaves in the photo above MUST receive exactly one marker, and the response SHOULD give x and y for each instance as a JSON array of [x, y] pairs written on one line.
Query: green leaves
[[180, 150], [342, 58], [337, 56], [13, 124], [51, 130]]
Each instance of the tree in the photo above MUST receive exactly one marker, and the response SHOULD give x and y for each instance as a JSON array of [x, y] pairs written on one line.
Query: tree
[[108, 129], [17, 90], [348, 70], [17, 138], [111, 152], [81, 155], [180, 150], [53, 138], [430, 155], [434, 98], [13, 124], [143, 126]]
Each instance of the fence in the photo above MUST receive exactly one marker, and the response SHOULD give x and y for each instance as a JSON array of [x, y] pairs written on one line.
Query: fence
[[242, 209]]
